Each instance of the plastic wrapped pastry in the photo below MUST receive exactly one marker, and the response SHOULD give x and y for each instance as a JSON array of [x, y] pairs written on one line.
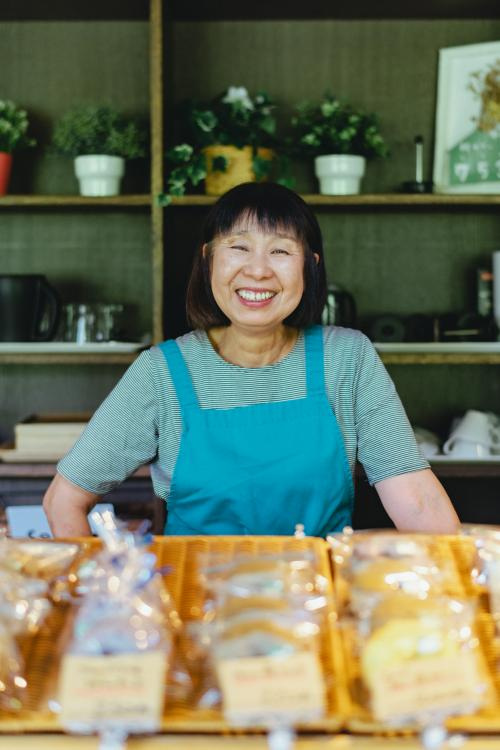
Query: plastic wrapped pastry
[[114, 670], [419, 659]]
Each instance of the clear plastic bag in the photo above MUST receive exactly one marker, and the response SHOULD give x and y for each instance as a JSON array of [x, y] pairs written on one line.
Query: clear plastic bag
[[419, 659], [485, 571], [121, 640], [262, 616], [384, 562]]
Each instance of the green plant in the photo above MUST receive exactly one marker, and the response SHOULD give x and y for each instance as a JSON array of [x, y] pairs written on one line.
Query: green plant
[[334, 127], [231, 119], [99, 130], [13, 127]]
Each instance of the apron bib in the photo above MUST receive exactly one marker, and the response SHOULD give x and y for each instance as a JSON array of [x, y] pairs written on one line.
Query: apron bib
[[262, 468]]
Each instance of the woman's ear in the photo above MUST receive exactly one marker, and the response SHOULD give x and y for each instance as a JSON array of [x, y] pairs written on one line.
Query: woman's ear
[[316, 258], [205, 250]]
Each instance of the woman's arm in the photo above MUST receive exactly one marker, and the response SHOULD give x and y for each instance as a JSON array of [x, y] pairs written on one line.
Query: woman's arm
[[66, 507], [417, 501]]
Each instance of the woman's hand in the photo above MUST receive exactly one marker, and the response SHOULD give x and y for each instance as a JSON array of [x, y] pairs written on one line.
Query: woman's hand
[[66, 507], [417, 501]]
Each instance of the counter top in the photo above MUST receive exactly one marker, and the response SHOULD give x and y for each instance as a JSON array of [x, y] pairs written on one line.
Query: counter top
[[197, 742]]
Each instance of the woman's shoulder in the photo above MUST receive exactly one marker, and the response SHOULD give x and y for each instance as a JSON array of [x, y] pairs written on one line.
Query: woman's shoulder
[[344, 340]]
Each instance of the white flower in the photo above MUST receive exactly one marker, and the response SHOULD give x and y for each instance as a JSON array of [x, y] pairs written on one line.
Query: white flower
[[238, 94]]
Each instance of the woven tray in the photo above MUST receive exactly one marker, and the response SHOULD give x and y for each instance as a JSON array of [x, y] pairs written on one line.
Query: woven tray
[[180, 554], [458, 554]]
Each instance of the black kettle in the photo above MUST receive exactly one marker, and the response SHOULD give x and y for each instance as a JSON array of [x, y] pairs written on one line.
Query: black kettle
[[29, 308], [340, 308]]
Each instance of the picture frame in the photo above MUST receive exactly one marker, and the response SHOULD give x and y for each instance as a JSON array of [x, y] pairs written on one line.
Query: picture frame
[[467, 137]]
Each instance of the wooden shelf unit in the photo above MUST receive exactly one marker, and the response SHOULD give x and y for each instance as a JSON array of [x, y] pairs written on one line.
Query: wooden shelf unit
[[68, 359], [74, 201], [126, 359], [371, 200]]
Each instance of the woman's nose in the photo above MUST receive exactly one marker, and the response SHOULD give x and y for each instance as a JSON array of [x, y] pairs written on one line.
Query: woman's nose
[[258, 265]]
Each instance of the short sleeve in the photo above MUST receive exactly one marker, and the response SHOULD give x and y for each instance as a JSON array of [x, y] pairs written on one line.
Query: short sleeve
[[386, 442], [121, 436]]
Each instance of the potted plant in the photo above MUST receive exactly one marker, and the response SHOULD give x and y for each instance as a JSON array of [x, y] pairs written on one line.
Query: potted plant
[[229, 140], [13, 135], [100, 139], [340, 138]]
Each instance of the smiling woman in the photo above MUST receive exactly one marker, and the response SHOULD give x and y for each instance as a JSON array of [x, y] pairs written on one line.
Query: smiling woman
[[253, 422]]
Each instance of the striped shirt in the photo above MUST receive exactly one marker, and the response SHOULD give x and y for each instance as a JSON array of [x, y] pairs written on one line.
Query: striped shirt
[[140, 421]]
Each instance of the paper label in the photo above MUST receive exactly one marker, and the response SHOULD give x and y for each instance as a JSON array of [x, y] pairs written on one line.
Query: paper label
[[257, 690], [493, 568], [124, 690], [428, 684]]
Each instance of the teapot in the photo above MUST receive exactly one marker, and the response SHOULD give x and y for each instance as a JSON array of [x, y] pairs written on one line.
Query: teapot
[[29, 308], [340, 308]]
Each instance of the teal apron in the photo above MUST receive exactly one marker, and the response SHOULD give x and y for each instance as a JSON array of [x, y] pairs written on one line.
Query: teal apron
[[263, 468]]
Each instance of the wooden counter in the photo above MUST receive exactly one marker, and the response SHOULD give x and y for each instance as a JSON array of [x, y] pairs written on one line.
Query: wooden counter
[[197, 742]]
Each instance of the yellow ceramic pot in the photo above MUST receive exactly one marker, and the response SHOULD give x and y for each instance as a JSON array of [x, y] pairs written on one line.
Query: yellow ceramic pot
[[239, 167]]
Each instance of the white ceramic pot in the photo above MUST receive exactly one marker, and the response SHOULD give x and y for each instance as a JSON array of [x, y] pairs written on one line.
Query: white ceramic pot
[[339, 174], [99, 175]]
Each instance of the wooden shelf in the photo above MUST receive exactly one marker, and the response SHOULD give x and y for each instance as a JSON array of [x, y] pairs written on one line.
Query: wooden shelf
[[407, 358], [76, 201], [453, 469], [68, 359], [128, 358], [387, 200], [32, 470]]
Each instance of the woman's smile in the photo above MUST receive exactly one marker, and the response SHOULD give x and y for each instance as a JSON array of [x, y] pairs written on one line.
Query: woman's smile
[[255, 297]]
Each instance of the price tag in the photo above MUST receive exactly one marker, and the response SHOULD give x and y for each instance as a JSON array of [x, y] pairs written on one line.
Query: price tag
[[259, 690], [427, 684], [493, 568], [125, 690]]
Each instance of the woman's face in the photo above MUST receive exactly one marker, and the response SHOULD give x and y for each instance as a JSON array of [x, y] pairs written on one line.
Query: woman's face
[[257, 276]]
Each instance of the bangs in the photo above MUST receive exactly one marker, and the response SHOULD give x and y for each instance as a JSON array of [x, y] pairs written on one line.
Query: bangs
[[268, 210]]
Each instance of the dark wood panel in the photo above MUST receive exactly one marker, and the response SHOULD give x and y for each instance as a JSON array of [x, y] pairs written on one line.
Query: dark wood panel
[[475, 500], [228, 9], [71, 10]]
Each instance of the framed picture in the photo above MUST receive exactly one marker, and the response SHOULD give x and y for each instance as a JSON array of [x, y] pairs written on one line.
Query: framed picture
[[467, 143]]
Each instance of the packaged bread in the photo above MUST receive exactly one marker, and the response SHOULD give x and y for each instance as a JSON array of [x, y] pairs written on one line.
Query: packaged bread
[[385, 562], [263, 628], [36, 558], [419, 659], [485, 569], [121, 639]]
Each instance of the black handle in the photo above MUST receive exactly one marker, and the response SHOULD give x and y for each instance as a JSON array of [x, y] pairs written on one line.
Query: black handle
[[48, 301]]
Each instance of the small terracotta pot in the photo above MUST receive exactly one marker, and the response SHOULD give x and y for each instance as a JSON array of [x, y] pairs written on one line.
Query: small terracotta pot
[[239, 167], [5, 167]]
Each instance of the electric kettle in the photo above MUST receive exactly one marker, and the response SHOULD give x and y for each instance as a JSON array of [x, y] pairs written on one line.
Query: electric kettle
[[340, 308], [29, 308]]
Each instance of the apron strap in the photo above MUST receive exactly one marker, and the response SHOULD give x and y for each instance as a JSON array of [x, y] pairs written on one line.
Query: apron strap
[[180, 375], [315, 369]]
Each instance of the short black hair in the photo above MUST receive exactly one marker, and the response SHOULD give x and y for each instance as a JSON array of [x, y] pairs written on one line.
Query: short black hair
[[273, 207]]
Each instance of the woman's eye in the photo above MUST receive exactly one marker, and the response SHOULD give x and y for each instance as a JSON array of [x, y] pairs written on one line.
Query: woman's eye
[[280, 250], [238, 247]]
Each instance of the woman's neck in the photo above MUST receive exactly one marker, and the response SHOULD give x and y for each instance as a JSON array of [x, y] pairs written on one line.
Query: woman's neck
[[250, 349]]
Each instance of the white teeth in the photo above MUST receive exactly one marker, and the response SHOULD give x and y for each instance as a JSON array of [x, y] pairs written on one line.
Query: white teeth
[[255, 296]]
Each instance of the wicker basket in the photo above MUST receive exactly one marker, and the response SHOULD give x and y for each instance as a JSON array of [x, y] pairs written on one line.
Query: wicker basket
[[239, 167]]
